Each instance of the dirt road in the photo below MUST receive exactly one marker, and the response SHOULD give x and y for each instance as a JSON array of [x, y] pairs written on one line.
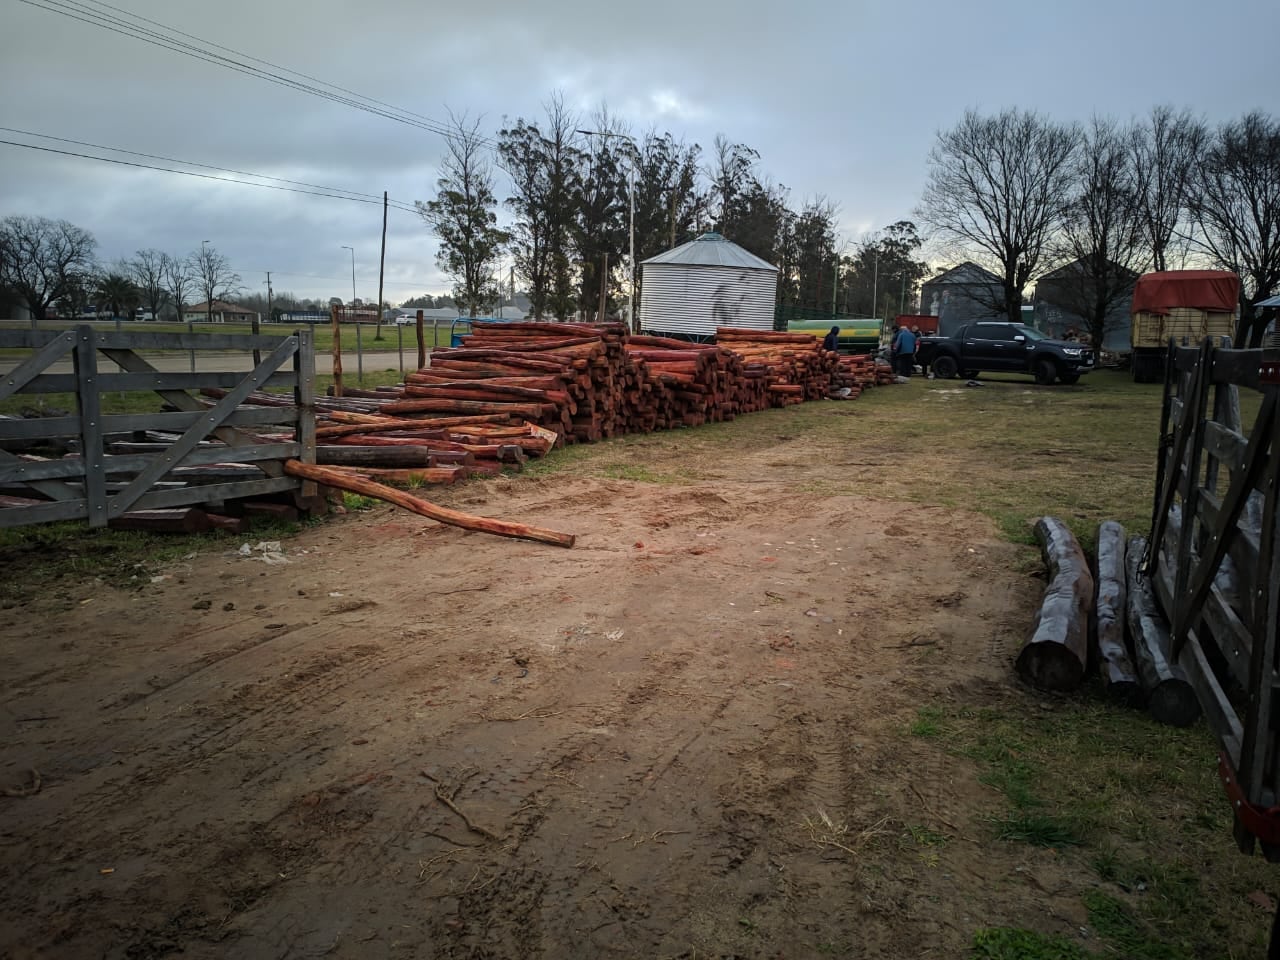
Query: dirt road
[[687, 736]]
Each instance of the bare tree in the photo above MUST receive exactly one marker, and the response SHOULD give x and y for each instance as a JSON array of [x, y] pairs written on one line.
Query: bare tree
[[462, 216], [178, 280], [998, 188], [1165, 151], [41, 259], [1103, 238], [146, 270], [212, 272], [1237, 210]]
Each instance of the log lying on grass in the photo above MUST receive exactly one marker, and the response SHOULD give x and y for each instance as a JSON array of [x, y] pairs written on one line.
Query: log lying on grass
[[1170, 696], [1118, 674], [1054, 658], [467, 521]]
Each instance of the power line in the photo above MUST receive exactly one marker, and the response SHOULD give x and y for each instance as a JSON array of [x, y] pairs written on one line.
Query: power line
[[84, 13], [189, 163], [202, 176]]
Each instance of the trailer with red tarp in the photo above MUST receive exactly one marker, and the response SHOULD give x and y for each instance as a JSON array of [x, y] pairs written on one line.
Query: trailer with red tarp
[[1185, 305]]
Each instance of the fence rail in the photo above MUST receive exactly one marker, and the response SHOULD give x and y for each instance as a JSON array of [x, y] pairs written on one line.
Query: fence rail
[[105, 471]]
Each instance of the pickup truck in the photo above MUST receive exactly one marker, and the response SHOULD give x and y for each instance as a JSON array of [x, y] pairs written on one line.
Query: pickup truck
[[994, 347]]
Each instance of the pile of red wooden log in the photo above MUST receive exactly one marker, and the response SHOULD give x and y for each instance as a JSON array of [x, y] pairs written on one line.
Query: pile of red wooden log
[[855, 373], [515, 390]]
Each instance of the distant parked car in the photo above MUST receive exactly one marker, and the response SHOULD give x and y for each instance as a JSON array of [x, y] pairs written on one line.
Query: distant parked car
[[406, 321]]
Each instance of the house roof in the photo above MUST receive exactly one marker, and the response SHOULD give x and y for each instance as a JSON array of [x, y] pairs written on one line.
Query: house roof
[[968, 273], [1075, 267], [219, 306], [712, 250]]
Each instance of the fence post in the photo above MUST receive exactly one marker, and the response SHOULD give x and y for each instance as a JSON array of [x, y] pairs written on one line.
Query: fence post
[[337, 351], [359, 356], [90, 407], [304, 366]]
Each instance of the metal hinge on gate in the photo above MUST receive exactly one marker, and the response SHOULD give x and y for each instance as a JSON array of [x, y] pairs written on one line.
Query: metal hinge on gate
[[1262, 823]]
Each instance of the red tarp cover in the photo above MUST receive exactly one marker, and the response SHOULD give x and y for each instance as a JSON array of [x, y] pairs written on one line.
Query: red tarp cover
[[1213, 290]]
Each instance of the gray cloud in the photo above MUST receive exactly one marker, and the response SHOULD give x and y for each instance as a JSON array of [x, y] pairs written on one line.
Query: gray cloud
[[841, 100]]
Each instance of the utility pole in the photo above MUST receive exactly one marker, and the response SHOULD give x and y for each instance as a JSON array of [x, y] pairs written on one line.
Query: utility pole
[[257, 354], [382, 263]]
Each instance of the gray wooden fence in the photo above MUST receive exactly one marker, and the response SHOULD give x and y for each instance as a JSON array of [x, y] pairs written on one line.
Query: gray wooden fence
[[95, 483], [1214, 562]]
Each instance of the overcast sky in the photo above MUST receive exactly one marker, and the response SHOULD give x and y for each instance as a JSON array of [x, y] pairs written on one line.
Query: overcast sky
[[841, 99]]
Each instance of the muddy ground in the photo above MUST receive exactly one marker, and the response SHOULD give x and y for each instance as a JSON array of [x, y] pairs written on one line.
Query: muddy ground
[[685, 737]]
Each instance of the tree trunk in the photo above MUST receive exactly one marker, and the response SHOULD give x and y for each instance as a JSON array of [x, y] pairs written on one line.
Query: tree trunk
[[1170, 696], [502, 528], [1054, 657], [1118, 674]]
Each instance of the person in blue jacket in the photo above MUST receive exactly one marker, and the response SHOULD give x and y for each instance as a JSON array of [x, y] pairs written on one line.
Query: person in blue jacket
[[904, 345], [832, 340]]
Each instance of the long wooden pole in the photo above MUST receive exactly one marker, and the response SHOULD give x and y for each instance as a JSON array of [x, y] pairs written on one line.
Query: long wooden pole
[[467, 521], [382, 263], [337, 351]]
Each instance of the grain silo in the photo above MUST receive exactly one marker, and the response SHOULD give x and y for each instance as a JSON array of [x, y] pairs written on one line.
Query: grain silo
[[706, 283]]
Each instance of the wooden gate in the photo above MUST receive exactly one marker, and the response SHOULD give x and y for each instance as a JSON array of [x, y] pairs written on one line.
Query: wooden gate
[[1214, 560], [99, 483]]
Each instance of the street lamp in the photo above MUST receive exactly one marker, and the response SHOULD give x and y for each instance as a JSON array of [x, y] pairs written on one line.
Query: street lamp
[[353, 274], [631, 223]]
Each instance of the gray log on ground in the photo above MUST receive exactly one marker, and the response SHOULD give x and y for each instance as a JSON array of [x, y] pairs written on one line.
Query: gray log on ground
[[1054, 657], [1118, 673], [379, 456], [1170, 696]]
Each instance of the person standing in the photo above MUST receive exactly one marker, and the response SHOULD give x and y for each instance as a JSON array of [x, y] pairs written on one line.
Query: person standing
[[832, 340], [905, 349]]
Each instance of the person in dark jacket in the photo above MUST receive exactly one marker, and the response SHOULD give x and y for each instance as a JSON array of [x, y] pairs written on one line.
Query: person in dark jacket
[[832, 339]]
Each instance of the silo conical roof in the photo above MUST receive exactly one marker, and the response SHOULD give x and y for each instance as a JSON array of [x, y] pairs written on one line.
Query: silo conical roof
[[712, 250]]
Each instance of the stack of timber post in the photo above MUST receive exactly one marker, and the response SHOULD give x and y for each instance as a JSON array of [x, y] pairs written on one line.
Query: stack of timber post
[[516, 390], [795, 366]]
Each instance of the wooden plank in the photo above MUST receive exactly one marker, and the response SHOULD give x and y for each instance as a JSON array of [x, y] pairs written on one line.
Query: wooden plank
[[28, 471], [1227, 632], [1241, 367], [184, 401], [44, 427], [139, 382], [30, 339], [89, 402], [1175, 466], [126, 498], [1218, 711], [213, 492], [149, 340], [28, 369], [44, 513], [1225, 445], [53, 489]]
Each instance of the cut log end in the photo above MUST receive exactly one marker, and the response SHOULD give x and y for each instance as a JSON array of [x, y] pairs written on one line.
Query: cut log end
[[1174, 702], [1050, 666]]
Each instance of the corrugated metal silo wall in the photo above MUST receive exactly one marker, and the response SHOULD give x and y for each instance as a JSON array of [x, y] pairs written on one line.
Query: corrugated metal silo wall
[[695, 300]]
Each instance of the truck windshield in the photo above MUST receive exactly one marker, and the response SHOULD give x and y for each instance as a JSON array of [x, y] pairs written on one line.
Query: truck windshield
[[1029, 332]]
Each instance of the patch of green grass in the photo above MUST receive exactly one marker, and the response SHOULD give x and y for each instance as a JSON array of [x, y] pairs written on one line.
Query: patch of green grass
[[357, 501], [642, 474], [924, 837], [928, 722], [1129, 936], [1037, 829], [1008, 943]]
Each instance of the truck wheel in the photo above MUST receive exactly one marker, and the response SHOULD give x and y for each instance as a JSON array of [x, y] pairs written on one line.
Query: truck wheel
[[1069, 378], [1046, 371], [944, 367]]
